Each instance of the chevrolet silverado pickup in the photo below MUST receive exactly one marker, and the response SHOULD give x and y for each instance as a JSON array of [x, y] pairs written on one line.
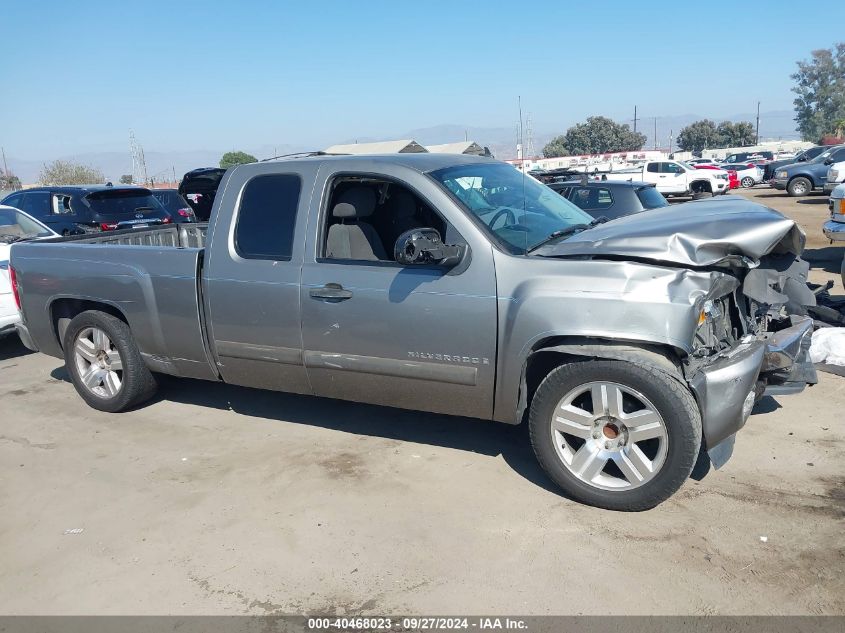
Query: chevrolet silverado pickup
[[452, 285]]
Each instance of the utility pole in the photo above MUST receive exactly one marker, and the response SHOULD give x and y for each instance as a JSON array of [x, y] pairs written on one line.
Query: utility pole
[[757, 139], [671, 132], [655, 132], [635, 119], [5, 166]]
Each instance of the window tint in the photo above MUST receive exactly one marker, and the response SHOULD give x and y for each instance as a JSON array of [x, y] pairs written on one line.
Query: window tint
[[653, 167], [838, 156], [670, 168], [592, 198], [267, 217], [14, 201], [37, 204]]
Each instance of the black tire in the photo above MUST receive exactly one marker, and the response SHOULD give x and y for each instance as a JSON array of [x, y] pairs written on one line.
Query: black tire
[[701, 195], [747, 182], [137, 382], [799, 187], [673, 402]]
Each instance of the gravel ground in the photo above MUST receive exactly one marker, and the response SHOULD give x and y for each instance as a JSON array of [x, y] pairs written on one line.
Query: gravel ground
[[223, 500]]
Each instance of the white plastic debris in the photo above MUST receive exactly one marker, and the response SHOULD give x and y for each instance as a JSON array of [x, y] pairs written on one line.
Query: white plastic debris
[[764, 539], [828, 346], [74, 531], [184, 459]]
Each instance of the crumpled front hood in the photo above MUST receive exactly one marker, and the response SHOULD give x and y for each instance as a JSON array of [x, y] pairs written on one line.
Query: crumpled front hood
[[702, 233]]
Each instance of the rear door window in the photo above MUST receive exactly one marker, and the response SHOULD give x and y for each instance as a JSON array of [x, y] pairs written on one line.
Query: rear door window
[[653, 167], [267, 217], [14, 201], [37, 204], [592, 198]]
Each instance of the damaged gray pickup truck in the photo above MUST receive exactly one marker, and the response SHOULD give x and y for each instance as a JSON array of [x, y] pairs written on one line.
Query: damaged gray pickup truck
[[453, 285]]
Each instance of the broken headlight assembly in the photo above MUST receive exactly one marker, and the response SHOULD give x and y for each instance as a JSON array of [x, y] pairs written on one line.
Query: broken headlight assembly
[[714, 332]]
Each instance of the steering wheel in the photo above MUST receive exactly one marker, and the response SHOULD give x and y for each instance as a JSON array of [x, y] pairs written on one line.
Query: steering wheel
[[510, 218]]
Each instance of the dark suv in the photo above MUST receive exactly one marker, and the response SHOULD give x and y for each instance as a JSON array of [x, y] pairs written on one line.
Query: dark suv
[[90, 208], [610, 198], [805, 156]]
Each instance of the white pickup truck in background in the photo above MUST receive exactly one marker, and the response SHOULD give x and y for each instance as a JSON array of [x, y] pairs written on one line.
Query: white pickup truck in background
[[676, 179]]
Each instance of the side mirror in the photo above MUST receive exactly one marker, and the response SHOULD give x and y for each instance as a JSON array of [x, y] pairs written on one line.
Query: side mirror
[[829, 161], [424, 246]]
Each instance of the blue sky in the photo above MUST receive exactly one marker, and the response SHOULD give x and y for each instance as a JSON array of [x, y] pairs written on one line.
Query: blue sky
[[198, 75]]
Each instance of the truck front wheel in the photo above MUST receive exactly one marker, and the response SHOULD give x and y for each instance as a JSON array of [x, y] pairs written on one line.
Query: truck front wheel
[[799, 187], [104, 363], [615, 434]]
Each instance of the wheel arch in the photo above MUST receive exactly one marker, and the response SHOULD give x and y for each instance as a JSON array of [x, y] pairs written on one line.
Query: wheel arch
[[63, 309], [550, 353], [701, 185]]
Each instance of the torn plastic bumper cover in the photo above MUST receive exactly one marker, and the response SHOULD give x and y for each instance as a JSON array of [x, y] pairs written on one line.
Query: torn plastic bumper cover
[[728, 386]]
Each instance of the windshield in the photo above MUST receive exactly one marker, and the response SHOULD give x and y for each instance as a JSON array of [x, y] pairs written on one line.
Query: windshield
[[515, 210], [16, 225], [123, 202]]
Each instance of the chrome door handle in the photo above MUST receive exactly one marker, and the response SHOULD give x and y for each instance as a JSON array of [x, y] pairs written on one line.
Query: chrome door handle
[[331, 292]]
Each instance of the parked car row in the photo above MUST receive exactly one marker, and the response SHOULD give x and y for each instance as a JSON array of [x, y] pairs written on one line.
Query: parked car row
[[74, 210]]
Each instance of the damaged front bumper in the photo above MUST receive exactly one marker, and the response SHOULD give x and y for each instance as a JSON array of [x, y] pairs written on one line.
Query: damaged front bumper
[[728, 386]]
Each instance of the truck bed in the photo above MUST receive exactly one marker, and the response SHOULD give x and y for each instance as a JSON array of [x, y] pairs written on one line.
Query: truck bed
[[173, 236], [150, 277]]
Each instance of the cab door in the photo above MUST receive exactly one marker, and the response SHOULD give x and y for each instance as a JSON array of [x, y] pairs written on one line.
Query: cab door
[[419, 337], [251, 277]]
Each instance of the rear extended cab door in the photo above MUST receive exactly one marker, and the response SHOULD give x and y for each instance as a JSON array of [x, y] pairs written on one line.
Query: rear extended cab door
[[251, 277]]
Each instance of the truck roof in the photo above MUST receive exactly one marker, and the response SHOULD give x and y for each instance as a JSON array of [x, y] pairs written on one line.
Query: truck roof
[[422, 162]]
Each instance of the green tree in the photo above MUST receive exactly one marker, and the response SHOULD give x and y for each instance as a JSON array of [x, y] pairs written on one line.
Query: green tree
[[66, 172], [698, 136], [599, 135], [820, 86], [126, 179], [736, 134], [230, 159], [555, 148]]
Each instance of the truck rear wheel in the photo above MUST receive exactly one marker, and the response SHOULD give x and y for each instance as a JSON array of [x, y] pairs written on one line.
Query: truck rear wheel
[[104, 363], [615, 434]]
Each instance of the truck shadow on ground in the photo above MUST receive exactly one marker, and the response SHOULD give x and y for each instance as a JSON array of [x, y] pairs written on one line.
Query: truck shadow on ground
[[465, 434], [11, 347], [483, 437]]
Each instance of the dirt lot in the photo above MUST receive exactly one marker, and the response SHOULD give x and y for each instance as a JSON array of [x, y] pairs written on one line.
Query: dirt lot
[[218, 500]]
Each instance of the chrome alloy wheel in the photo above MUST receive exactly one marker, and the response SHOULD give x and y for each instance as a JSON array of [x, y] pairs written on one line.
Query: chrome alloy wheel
[[609, 436], [98, 363]]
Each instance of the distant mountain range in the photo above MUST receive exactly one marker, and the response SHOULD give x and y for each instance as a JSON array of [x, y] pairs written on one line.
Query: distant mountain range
[[161, 166]]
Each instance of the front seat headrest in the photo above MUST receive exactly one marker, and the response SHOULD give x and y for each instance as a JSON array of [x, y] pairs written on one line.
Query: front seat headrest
[[357, 202]]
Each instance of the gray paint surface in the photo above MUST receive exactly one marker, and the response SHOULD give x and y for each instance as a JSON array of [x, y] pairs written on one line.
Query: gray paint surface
[[448, 341]]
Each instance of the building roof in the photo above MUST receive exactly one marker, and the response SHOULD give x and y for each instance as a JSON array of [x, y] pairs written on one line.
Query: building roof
[[463, 147], [405, 146]]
